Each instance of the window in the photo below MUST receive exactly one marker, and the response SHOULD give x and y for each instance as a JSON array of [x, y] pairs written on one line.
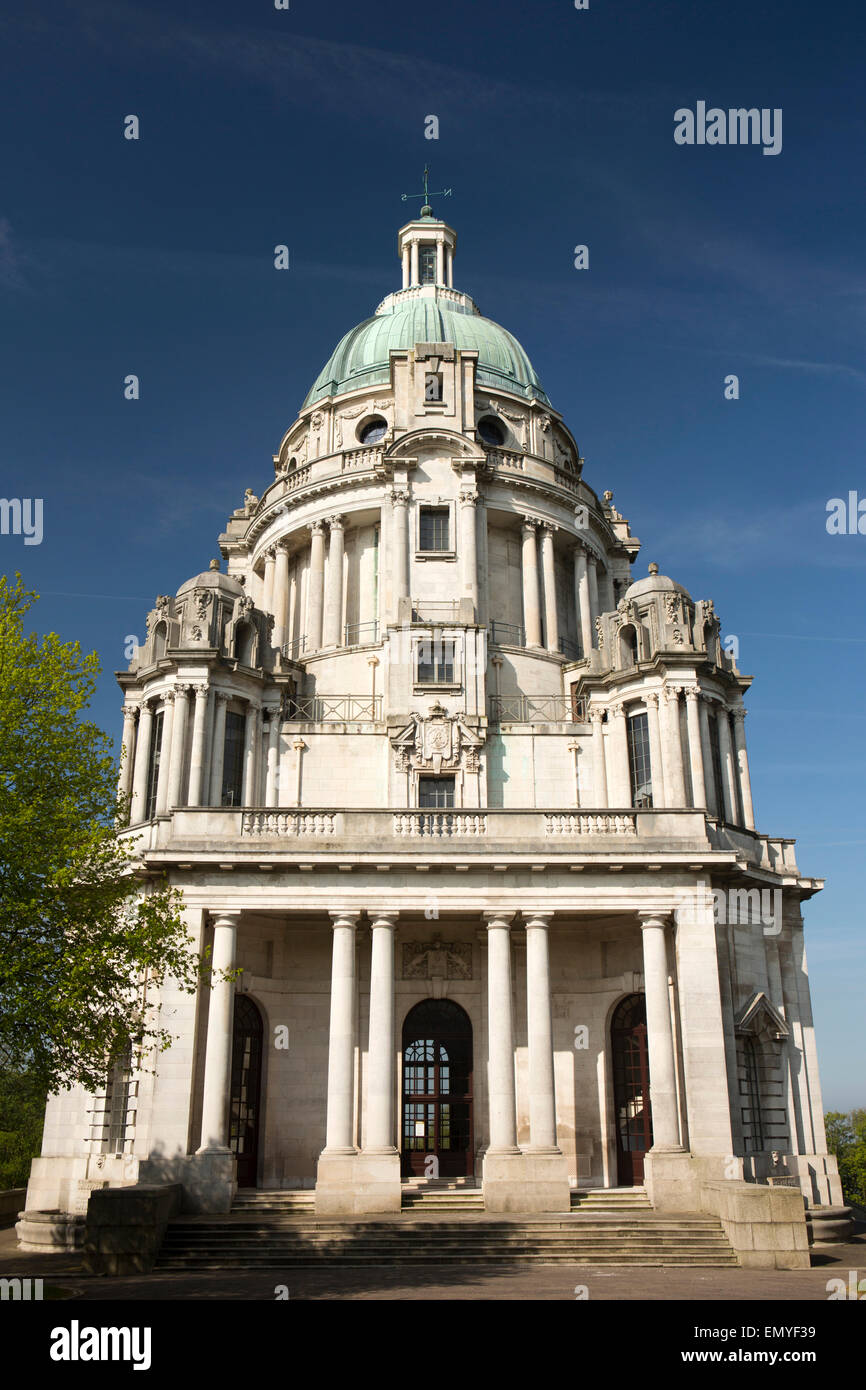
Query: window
[[373, 430], [153, 766], [427, 263], [119, 1105], [491, 431], [233, 760], [433, 386], [639, 760], [436, 662], [433, 533], [435, 793], [753, 1125]]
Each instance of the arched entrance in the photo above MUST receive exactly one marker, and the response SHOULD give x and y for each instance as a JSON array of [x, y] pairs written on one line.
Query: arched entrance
[[631, 1096], [437, 1091], [246, 1089]]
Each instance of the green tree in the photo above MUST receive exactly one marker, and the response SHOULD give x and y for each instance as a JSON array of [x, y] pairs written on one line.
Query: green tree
[[846, 1138], [22, 1111], [84, 940]]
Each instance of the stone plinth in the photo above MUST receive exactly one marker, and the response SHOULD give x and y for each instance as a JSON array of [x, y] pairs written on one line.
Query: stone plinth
[[526, 1182], [358, 1184]]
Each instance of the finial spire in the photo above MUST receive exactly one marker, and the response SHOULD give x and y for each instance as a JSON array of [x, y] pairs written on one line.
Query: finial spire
[[426, 210]]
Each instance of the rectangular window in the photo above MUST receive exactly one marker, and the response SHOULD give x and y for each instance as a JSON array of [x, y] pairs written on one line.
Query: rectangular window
[[153, 765], [717, 764], [120, 1105], [233, 760], [435, 793], [433, 529], [436, 662], [639, 760], [427, 263]]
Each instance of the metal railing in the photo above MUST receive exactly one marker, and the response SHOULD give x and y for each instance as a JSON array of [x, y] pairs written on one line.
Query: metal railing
[[292, 650], [434, 611], [334, 709], [361, 634], [507, 634], [536, 709]]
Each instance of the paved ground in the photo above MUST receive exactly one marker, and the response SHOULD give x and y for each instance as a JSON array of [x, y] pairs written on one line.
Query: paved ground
[[553, 1283]]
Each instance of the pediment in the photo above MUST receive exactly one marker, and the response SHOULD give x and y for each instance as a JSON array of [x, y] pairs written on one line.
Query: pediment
[[408, 446], [759, 1014]]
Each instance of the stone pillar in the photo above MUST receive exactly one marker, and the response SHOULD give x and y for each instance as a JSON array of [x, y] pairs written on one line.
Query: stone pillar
[[607, 599], [317, 585], [655, 743], [440, 263], [218, 1053], [127, 755], [531, 604], [503, 1116], [542, 1098], [272, 797], [592, 569], [332, 629], [381, 1082], [581, 600], [598, 757], [743, 766], [339, 1137], [251, 753], [548, 569], [165, 754], [696, 757], [660, 1038], [672, 748], [469, 548], [413, 263], [405, 267], [400, 532], [196, 759], [142, 757], [268, 586], [621, 793], [178, 744], [221, 699], [707, 754], [726, 757], [281, 595]]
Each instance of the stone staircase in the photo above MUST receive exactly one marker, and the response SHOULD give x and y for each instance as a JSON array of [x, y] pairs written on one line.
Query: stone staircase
[[610, 1199], [442, 1223]]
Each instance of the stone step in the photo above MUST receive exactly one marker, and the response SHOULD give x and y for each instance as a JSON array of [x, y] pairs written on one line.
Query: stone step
[[654, 1260]]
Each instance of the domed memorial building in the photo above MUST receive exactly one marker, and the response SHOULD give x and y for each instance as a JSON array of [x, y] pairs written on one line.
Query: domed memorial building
[[469, 806]]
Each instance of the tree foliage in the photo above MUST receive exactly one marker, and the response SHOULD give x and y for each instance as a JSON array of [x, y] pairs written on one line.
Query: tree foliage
[[22, 1111], [846, 1138], [84, 940]]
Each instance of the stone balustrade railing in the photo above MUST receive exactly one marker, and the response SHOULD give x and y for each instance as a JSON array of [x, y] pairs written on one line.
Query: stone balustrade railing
[[276, 823], [591, 823], [441, 825]]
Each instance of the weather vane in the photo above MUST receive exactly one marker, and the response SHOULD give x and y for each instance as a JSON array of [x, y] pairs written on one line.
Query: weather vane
[[426, 195]]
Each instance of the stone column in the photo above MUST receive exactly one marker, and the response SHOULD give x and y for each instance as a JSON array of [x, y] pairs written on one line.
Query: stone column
[[413, 263], [531, 604], [469, 548], [581, 599], [696, 757], [196, 758], [281, 595], [218, 1053], [503, 1117], [341, 1045], [142, 756], [381, 1082], [542, 1097], [317, 585], [672, 748], [251, 753], [707, 753], [400, 558], [165, 754], [332, 629], [726, 757], [405, 267], [598, 757], [660, 1038], [592, 568], [221, 699], [440, 263], [620, 770], [272, 797], [655, 743], [743, 766], [127, 754], [178, 744], [268, 586], [548, 569]]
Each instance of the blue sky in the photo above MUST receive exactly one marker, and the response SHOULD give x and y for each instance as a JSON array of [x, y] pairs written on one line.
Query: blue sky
[[303, 127]]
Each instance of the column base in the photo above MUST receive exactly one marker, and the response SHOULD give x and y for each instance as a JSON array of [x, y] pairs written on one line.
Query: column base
[[673, 1177], [358, 1184], [209, 1182], [526, 1182]]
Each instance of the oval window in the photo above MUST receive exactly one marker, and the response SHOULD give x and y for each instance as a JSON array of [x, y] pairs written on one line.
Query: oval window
[[373, 431], [491, 431]]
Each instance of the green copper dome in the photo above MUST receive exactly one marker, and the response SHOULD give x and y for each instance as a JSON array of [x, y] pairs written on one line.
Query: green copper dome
[[361, 358]]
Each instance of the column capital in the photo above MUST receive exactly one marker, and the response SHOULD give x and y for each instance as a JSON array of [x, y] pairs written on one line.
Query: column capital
[[579, 549], [225, 919], [344, 917], [691, 692], [529, 523], [168, 696], [671, 693], [591, 557], [498, 919], [336, 522], [654, 919], [468, 499], [399, 497], [200, 690], [596, 715], [129, 711], [537, 919], [651, 699], [548, 527], [617, 710], [316, 528], [738, 711], [384, 917], [222, 697]]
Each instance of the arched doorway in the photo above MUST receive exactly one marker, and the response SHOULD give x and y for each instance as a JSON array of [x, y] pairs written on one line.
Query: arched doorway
[[246, 1089], [437, 1091], [631, 1095]]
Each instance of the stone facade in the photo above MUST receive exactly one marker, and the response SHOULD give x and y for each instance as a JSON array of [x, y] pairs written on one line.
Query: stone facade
[[426, 739]]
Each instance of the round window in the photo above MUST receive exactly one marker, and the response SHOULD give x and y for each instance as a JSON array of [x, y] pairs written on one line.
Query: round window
[[373, 430], [491, 431]]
